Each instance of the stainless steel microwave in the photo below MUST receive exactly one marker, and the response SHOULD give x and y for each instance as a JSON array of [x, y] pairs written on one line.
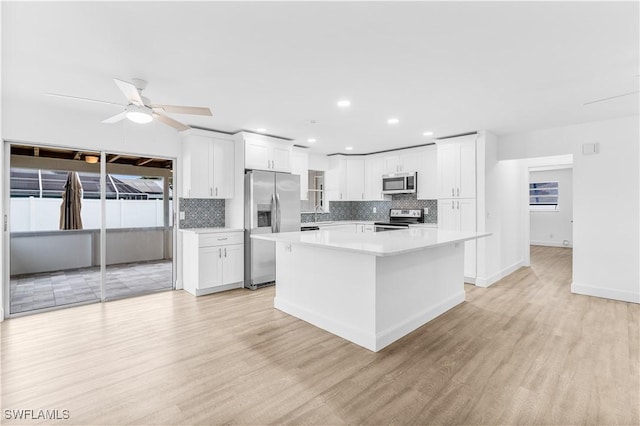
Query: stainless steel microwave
[[399, 183]]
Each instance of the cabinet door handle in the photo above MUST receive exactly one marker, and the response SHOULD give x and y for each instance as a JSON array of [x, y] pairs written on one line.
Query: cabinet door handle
[[453, 192], [458, 192], [363, 195], [225, 252], [220, 253], [452, 204], [222, 239], [216, 191], [210, 191], [458, 205]]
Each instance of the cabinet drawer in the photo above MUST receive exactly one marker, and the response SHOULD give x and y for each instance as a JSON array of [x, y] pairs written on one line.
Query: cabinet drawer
[[221, 239]]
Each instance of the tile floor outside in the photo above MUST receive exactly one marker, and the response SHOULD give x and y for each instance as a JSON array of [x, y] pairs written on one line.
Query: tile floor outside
[[50, 289]]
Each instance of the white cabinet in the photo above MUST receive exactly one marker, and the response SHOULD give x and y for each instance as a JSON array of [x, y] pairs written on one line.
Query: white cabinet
[[345, 179], [337, 226], [300, 167], [355, 179], [212, 261], [373, 171], [460, 215], [262, 153], [457, 167], [401, 161], [207, 167], [427, 173], [365, 228]]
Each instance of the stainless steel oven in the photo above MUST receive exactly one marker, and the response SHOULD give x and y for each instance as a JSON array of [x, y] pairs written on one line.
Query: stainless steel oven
[[399, 183], [400, 219]]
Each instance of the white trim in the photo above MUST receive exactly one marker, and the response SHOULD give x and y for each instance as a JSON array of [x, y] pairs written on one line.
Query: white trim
[[607, 293], [391, 334], [486, 282], [550, 244], [1, 314]]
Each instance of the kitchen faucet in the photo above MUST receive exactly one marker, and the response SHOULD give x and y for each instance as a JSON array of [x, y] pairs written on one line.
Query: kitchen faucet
[[317, 209]]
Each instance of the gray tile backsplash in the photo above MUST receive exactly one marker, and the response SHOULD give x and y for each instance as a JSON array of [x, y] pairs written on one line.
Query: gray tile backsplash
[[363, 210], [202, 213]]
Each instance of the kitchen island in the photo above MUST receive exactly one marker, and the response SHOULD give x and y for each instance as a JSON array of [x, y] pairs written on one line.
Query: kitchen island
[[373, 288]]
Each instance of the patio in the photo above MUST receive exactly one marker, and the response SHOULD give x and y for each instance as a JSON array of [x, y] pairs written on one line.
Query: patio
[[53, 289]]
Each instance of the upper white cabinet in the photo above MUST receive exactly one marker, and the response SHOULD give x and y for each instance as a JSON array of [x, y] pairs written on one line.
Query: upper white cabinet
[[207, 164], [264, 153], [373, 171], [345, 179], [457, 167], [427, 169], [300, 167], [355, 179], [400, 161]]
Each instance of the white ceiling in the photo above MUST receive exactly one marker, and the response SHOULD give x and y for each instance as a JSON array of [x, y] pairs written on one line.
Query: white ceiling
[[448, 67]]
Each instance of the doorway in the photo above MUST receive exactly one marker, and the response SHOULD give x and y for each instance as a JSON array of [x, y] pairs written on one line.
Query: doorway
[[86, 227]]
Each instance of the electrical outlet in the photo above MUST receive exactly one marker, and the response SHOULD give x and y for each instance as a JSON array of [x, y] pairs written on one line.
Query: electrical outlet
[[426, 210], [182, 215], [375, 210]]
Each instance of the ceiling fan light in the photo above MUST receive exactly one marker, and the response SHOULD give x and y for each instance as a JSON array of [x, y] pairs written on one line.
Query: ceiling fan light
[[138, 114], [91, 159]]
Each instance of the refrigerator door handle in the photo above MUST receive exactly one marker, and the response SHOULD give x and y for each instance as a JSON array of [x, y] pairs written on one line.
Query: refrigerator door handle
[[274, 213], [278, 213]]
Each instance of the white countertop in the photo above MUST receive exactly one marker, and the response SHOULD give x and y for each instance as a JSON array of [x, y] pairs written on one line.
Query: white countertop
[[389, 243], [211, 230]]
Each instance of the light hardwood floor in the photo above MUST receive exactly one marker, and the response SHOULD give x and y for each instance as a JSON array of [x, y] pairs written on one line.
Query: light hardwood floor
[[524, 351]]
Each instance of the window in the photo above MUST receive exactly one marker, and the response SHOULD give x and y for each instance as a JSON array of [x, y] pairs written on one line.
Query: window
[[543, 196], [315, 202]]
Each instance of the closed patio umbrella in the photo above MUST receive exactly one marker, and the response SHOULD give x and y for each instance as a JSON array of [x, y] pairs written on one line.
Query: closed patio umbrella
[[71, 203]]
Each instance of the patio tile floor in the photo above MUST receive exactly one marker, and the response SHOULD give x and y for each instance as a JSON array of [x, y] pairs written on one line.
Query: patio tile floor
[[58, 288]]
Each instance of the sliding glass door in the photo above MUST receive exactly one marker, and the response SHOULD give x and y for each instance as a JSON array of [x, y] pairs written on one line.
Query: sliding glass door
[[139, 243], [82, 231]]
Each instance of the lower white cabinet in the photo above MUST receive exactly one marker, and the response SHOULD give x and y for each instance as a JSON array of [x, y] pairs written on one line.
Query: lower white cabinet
[[459, 214], [213, 261], [365, 228]]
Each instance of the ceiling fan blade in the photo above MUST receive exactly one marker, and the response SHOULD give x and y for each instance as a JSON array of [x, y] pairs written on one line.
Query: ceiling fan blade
[[75, 98], [184, 109], [130, 91], [612, 97], [171, 122], [114, 119]]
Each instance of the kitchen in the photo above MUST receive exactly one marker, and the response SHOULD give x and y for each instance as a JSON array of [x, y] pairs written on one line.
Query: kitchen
[[267, 366]]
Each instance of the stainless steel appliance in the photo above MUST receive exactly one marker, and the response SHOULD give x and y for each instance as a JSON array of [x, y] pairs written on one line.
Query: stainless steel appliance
[[399, 183], [400, 219], [271, 204]]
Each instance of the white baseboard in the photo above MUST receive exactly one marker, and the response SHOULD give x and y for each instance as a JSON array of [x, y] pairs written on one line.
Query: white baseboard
[[550, 244], [1, 314], [606, 293], [486, 282]]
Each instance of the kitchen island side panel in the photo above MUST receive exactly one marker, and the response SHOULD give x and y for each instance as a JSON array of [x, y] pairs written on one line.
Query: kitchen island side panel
[[331, 289], [414, 288]]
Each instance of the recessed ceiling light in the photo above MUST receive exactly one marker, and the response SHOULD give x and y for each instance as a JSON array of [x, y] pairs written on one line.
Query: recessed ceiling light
[[393, 121], [311, 140], [261, 129], [427, 134], [348, 148], [344, 103]]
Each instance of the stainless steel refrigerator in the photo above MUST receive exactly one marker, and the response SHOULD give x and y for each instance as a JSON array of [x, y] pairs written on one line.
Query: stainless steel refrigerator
[[271, 204]]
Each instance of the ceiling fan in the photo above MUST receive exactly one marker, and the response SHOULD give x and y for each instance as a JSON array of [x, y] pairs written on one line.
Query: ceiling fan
[[140, 109]]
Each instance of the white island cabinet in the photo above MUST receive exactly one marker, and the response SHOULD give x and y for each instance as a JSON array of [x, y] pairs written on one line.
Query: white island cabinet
[[213, 260], [380, 287]]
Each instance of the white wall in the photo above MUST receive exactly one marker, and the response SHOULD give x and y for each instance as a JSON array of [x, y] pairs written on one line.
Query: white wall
[[499, 212], [554, 228], [606, 211]]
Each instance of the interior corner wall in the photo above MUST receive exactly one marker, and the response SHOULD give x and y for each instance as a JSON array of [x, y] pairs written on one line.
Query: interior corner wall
[[501, 253], [606, 208], [554, 228]]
